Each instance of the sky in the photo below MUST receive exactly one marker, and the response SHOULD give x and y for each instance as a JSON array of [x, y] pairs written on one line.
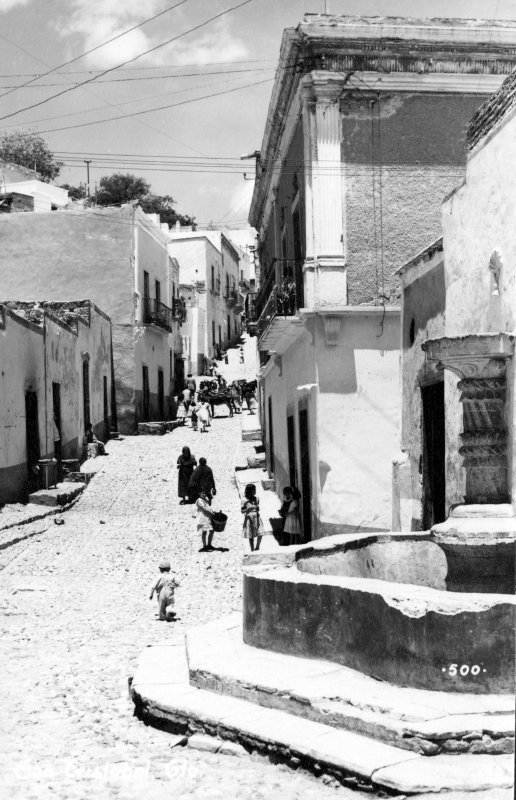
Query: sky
[[214, 77]]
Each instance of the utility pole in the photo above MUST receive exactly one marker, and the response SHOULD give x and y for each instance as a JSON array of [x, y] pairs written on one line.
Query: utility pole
[[87, 161]]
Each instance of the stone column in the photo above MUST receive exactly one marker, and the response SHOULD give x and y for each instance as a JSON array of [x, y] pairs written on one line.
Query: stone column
[[480, 362], [325, 266]]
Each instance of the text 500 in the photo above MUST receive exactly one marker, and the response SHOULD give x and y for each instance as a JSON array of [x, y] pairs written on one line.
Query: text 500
[[463, 670]]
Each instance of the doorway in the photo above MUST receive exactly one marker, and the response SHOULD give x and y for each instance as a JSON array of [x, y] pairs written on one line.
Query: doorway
[[106, 407], [291, 443], [32, 439], [306, 487], [433, 467], [145, 393], [56, 409], [86, 391], [271, 438], [161, 394]]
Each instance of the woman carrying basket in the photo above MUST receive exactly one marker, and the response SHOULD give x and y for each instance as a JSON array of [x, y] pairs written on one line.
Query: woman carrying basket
[[253, 527]]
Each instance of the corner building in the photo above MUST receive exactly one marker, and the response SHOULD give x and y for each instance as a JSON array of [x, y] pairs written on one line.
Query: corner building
[[364, 137]]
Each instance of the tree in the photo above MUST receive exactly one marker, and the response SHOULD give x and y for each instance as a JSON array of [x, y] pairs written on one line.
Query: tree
[[29, 149], [164, 206], [118, 188], [74, 192]]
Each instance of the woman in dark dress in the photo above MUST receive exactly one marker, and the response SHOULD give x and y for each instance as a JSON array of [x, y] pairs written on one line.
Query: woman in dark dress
[[185, 464]]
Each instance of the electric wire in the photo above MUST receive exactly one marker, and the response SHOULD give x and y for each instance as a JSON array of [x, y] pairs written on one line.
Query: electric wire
[[97, 47], [129, 61]]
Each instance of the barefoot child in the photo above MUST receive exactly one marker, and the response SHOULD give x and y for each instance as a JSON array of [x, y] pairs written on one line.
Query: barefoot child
[[253, 527], [164, 588]]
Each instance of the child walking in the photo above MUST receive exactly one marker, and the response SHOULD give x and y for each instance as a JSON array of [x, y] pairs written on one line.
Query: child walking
[[253, 527], [164, 588]]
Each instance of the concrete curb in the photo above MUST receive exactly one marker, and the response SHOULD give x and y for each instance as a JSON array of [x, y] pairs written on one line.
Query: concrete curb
[[49, 512], [164, 698]]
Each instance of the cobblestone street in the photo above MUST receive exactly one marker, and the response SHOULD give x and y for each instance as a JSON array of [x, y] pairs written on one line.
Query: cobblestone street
[[75, 614]]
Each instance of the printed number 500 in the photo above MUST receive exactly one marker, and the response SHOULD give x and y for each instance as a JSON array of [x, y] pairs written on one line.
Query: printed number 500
[[463, 669]]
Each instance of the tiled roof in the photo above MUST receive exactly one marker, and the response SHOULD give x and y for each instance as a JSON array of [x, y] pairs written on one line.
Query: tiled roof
[[491, 111]]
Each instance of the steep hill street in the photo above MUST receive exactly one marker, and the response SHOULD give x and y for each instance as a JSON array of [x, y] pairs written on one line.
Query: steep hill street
[[75, 614]]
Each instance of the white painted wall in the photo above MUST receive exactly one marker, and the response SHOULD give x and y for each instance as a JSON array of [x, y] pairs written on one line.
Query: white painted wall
[[478, 219]]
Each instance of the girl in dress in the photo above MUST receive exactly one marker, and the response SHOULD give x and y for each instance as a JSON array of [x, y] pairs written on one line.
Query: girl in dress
[[290, 508], [205, 522], [253, 527]]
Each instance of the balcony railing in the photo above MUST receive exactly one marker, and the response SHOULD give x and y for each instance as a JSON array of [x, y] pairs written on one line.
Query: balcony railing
[[282, 302], [282, 298], [157, 313], [232, 298], [179, 309]]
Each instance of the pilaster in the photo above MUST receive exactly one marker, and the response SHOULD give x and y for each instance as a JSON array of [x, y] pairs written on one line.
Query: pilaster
[[325, 266]]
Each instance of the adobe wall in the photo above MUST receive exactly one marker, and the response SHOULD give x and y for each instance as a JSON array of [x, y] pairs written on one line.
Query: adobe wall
[[124, 366], [479, 218], [22, 369], [85, 254], [419, 143]]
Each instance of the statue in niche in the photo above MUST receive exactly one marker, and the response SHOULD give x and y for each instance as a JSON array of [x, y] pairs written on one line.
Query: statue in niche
[[495, 267]]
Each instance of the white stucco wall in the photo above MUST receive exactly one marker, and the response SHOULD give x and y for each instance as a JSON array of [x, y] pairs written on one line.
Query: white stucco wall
[[352, 394], [478, 219]]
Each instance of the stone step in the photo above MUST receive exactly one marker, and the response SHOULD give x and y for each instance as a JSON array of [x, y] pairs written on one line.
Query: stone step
[[61, 495], [159, 428], [251, 430], [422, 721], [164, 698]]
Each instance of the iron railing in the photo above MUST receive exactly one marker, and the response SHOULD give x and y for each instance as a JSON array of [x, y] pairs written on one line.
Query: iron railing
[[179, 309], [157, 313], [282, 298], [282, 302]]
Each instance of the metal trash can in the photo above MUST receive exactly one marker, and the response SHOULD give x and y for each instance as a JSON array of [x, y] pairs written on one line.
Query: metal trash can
[[47, 472]]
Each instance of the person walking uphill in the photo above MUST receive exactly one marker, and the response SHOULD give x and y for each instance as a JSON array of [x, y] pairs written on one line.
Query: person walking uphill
[[164, 588], [202, 480], [185, 464]]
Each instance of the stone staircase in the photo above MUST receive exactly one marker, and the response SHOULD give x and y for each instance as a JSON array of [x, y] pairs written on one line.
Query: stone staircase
[[328, 718]]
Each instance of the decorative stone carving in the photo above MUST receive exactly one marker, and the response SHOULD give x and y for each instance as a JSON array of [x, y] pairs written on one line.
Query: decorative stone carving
[[495, 267], [480, 362], [332, 330]]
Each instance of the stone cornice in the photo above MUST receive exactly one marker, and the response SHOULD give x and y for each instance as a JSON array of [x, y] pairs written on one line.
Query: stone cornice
[[472, 356], [408, 55]]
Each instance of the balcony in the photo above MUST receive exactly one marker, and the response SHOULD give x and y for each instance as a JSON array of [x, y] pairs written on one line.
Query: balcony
[[179, 309], [276, 311], [231, 298], [157, 313]]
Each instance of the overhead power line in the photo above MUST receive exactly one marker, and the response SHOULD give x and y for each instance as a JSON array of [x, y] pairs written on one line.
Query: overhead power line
[[157, 108], [130, 60], [148, 78], [97, 47]]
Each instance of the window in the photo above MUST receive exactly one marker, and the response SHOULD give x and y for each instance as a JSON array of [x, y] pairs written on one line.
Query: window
[[145, 285], [227, 285], [158, 291], [212, 278], [213, 331]]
